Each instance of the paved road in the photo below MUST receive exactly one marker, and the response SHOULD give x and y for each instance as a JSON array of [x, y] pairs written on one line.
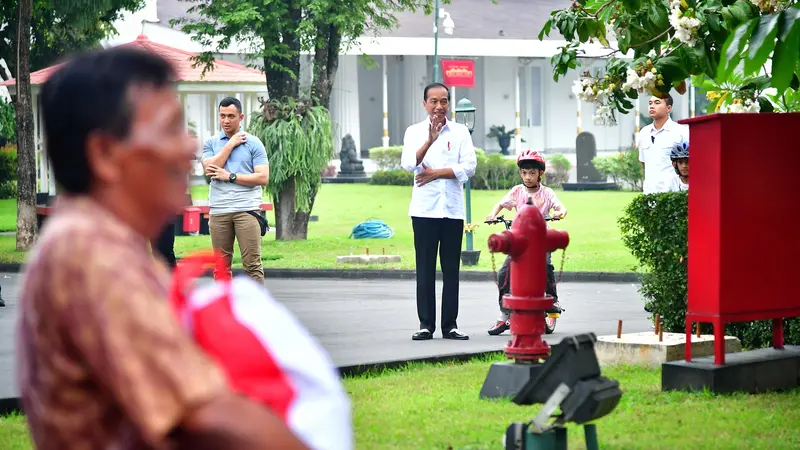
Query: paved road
[[371, 321]]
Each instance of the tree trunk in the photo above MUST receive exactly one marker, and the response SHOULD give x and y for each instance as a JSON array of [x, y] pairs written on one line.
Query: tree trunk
[[290, 224], [326, 62], [280, 82], [26, 153]]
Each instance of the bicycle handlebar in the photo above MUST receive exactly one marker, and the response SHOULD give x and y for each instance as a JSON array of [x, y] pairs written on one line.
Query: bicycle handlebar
[[501, 219]]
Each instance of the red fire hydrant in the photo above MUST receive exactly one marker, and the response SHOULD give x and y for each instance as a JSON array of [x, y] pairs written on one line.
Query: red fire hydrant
[[528, 242]]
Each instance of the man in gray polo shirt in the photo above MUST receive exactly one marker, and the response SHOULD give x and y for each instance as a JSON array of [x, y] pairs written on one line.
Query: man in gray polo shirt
[[238, 167]]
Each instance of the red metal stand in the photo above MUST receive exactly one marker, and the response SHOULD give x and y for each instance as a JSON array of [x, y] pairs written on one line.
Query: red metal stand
[[740, 269]]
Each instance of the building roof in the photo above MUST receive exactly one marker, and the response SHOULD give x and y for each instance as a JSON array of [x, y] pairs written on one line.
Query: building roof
[[474, 19], [224, 71]]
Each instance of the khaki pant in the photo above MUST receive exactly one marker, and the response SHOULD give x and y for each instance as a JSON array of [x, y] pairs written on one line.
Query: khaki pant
[[245, 229]]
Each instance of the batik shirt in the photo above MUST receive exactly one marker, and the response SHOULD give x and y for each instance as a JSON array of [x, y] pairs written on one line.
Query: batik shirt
[[102, 363]]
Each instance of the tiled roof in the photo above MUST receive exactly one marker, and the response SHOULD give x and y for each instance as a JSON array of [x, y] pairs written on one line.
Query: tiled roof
[[224, 71]]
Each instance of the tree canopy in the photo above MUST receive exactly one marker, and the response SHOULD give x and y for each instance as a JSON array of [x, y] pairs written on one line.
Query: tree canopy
[[59, 28], [726, 44]]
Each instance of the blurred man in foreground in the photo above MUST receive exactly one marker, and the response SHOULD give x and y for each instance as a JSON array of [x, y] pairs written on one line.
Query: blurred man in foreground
[[102, 362]]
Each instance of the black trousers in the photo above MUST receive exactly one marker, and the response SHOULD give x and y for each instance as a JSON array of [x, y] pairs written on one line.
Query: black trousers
[[442, 236], [504, 280], [165, 243]]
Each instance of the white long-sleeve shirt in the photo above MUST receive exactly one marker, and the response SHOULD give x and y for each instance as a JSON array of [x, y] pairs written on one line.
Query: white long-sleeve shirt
[[442, 198]]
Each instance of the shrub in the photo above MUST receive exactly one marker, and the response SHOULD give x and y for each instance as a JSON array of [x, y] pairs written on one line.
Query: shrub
[[392, 177], [557, 173], [8, 190], [8, 172], [8, 163], [655, 229], [8, 122], [386, 159], [622, 168]]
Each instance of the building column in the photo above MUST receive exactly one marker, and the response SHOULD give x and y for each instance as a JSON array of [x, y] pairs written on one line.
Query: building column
[[384, 68], [578, 101], [344, 103], [415, 76]]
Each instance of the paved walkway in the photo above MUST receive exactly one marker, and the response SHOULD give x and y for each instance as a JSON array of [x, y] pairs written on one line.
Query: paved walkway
[[371, 321]]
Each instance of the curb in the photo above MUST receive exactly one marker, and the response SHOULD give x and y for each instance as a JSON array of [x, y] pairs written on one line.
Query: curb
[[378, 274], [14, 404]]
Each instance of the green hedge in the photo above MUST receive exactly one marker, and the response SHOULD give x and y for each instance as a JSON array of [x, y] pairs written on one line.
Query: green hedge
[[392, 177], [624, 167], [8, 172], [655, 229], [493, 172]]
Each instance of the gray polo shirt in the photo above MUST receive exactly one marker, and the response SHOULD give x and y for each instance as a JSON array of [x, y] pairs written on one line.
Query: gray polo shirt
[[225, 197]]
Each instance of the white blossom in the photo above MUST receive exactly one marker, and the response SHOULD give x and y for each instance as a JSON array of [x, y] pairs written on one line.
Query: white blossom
[[746, 106], [685, 27], [768, 6], [639, 83], [611, 34], [605, 115]]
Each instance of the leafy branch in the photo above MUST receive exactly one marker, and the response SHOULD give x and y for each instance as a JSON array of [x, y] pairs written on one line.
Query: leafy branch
[[665, 43]]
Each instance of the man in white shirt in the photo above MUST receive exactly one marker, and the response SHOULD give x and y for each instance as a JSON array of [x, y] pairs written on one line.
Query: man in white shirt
[[655, 142], [441, 154]]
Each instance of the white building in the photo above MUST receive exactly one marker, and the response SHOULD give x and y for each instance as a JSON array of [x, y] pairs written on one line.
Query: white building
[[513, 75]]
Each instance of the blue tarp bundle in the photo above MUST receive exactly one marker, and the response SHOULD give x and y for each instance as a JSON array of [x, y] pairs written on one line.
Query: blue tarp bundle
[[373, 229]]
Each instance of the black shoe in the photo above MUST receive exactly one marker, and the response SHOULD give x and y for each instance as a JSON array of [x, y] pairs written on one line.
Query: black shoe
[[556, 309], [455, 334], [422, 335]]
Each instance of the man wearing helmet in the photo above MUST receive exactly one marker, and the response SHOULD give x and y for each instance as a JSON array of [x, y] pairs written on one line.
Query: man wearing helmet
[[531, 169], [679, 181]]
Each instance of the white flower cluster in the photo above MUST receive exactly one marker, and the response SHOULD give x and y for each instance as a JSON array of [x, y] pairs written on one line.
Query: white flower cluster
[[685, 27], [746, 106], [605, 115], [641, 83], [588, 90]]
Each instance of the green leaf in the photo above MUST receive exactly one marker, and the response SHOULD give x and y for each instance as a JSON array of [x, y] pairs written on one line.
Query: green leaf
[[766, 105], [731, 51], [545, 29], [713, 23], [672, 67], [784, 59], [738, 13], [761, 43], [583, 31], [658, 15]]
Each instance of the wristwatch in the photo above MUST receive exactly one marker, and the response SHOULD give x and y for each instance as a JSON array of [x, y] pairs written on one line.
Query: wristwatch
[[232, 178]]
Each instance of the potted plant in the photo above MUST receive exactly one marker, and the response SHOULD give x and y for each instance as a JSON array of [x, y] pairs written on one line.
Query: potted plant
[[503, 137]]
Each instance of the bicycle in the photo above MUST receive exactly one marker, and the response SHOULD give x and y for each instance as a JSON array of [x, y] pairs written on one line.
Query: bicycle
[[550, 318]]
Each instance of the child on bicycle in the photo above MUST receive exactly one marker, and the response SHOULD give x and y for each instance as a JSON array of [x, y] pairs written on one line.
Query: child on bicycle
[[679, 155], [531, 169]]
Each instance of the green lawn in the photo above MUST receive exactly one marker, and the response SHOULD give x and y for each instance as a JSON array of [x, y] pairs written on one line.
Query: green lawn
[[592, 224], [436, 406], [8, 215]]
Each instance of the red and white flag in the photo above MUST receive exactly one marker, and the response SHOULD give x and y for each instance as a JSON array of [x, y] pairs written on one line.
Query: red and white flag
[[267, 354]]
